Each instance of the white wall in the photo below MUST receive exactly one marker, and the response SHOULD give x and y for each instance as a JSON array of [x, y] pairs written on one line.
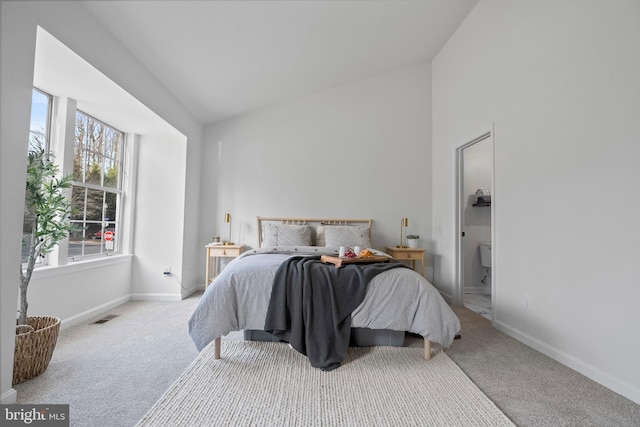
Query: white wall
[[79, 291], [160, 211], [357, 151], [478, 170], [69, 23], [15, 84], [560, 82]]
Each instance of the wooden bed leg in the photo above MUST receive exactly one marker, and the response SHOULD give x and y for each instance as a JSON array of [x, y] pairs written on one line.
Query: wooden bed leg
[[216, 348], [427, 349]]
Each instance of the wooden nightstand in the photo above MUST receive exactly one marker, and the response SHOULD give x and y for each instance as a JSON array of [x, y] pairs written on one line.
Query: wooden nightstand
[[409, 254], [219, 251]]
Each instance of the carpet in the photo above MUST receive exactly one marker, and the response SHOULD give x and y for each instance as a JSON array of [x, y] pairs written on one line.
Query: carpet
[[269, 384]]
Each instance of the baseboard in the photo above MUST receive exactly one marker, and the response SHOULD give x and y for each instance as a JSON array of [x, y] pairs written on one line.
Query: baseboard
[[95, 311], [192, 291], [156, 297], [621, 387], [447, 297], [89, 314], [477, 290], [9, 397]]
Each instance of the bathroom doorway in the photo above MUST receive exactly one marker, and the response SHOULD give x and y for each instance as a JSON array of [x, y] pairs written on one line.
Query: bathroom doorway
[[475, 221]]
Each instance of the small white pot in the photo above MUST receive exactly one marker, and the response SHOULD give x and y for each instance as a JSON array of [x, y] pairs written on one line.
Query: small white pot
[[412, 243]]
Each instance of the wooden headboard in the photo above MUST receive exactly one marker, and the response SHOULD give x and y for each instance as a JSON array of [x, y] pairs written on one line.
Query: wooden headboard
[[312, 222]]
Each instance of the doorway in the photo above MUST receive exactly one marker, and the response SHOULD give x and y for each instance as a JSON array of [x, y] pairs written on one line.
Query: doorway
[[475, 284]]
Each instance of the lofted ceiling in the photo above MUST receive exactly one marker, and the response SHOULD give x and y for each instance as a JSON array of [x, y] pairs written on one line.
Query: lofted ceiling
[[225, 58]]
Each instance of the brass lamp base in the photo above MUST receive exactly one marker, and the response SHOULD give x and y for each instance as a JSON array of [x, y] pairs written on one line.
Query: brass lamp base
[[401, 246]]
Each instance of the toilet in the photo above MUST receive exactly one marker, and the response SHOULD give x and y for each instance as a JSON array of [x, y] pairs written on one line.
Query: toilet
[[485, 261]]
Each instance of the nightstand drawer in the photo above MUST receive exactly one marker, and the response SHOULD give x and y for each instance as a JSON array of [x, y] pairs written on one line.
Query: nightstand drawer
[[222, 251], [408, 255]]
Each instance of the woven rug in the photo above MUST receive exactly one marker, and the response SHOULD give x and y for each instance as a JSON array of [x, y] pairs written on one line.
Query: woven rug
[[270, 384]]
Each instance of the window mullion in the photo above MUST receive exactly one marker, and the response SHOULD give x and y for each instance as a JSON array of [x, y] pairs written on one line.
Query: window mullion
[[96, 187], [61, 137]]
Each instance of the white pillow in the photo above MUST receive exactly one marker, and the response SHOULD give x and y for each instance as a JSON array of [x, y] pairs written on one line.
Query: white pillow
[[346, 235], [285, 235]]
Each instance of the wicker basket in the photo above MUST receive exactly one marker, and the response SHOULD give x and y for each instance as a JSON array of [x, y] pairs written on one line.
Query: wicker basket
[[34, 347]]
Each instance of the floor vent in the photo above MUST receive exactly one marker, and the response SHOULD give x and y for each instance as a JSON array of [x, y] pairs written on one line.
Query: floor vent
[[105, 319]]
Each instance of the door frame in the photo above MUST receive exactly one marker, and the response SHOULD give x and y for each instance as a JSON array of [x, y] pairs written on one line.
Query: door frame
[[461, 202]]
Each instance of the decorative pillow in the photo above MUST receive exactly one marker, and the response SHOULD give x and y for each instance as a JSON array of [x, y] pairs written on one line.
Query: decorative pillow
[[346, 235], [286, 235]]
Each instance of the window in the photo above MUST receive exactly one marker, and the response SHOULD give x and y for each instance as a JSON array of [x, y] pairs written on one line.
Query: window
[[97, 189], [97, 154], [40, 119], [39, 130]]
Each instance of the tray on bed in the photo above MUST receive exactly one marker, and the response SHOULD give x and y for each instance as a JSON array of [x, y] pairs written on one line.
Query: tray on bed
[[339, 262]]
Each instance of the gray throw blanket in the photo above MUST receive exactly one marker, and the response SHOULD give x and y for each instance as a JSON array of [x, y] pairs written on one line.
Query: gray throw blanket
[[311, 304]]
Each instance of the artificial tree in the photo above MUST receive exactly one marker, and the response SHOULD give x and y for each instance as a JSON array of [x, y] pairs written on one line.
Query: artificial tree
[[48, 210]]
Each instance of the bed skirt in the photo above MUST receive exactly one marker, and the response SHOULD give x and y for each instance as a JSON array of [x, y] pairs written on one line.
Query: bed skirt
[[360, 337]]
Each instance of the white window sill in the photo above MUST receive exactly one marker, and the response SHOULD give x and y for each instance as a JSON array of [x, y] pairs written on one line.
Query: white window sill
[[76, 266]]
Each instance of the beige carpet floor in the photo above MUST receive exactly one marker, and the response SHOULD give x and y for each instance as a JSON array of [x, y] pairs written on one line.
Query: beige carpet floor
[[270, 384], [112, 373]]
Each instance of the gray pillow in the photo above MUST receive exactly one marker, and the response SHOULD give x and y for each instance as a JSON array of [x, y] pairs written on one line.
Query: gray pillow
[[346, 235], [286, 235]]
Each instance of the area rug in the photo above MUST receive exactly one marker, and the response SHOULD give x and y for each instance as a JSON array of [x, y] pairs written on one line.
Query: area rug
[[270, 384]]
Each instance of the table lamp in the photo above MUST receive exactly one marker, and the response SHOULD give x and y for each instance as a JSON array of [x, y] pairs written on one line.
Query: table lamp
[[404, 222], [227, 218]]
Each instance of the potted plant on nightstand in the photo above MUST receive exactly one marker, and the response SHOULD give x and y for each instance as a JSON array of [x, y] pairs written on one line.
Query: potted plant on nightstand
[[47, 210], [412, 240]]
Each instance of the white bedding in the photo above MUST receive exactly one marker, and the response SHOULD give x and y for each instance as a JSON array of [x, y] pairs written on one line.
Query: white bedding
[[399, 299]]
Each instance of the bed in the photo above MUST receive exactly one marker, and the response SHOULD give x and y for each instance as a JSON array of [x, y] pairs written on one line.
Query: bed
[[399, 299]]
